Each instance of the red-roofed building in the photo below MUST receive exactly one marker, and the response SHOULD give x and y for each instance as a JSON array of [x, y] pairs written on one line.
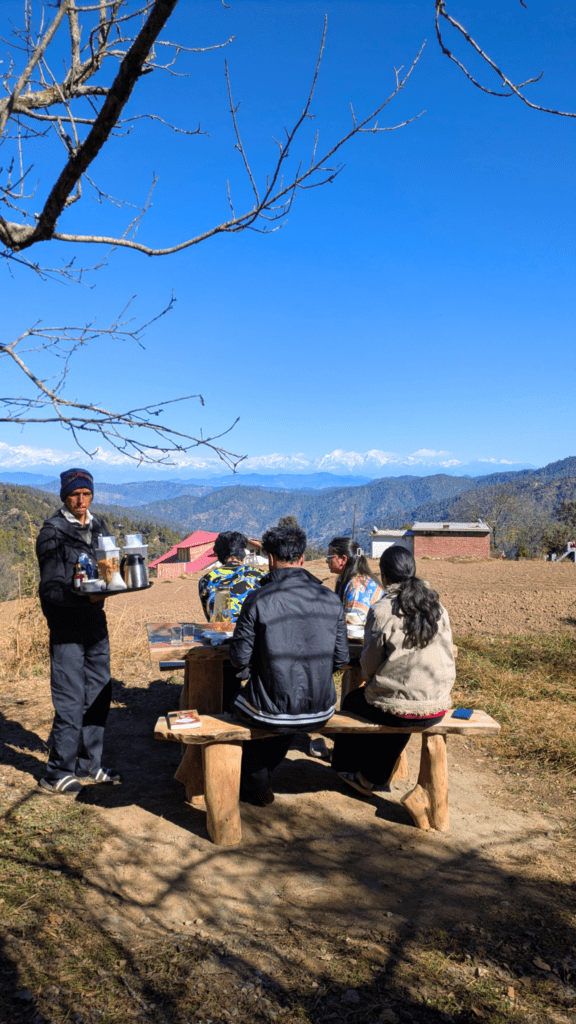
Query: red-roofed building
[[193, 554]]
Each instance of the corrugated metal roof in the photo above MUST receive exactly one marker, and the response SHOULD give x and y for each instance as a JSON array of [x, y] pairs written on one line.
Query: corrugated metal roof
[[389, 533], [477, 527], [162, 558], [197, 538], [202, 562]]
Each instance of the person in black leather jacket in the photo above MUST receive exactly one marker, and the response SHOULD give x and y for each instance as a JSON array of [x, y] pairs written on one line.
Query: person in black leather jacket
[[79, 646], [292, 633]]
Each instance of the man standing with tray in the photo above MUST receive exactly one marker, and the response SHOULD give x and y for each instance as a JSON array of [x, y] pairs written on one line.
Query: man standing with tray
[[79, 645]]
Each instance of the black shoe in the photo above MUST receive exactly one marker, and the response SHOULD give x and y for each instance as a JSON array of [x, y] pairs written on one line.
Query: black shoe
[[257, 799], [358, 782]]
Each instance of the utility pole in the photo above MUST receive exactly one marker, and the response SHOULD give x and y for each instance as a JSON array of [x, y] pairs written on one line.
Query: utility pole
[[354, 522]]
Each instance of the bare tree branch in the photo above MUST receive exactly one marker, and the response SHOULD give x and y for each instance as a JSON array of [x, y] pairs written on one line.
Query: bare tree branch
[[137, 433], [8, 105], [82, 108], [272, 202], [511, 89]]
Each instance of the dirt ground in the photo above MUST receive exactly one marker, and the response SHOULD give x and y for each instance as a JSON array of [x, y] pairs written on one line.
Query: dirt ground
[[321, 861], [488, 597]]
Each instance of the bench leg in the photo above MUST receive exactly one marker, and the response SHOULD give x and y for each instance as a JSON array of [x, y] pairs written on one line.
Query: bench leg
[[222, 792], [427, 803], [202, 689]]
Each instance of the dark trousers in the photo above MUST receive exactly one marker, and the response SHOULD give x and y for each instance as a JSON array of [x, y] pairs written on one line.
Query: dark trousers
[[230, 685], [260, 758], [373, 756], [81, 692]]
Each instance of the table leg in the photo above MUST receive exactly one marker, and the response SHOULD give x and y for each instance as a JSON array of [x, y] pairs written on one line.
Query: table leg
[[202, 692], [352, 679], [427, 803], [191, 774], [222, 763], [400, 770]]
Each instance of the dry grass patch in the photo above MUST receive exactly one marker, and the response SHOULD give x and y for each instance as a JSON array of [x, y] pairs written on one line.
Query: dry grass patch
[[528, 684], [24, 644]]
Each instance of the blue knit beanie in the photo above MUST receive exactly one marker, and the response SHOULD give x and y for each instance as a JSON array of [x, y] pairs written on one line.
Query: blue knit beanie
[[72, 479]]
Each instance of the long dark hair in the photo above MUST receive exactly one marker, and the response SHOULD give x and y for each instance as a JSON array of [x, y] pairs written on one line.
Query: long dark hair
[[418, 604], [357, 564]]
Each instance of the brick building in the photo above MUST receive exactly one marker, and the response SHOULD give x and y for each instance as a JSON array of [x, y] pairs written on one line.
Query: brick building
[[442, 540], [192, 554]]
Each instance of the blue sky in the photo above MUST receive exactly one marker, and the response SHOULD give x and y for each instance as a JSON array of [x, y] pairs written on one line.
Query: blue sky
[[423, 302]]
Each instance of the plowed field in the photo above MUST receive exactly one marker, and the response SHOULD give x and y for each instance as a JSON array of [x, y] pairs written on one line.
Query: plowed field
[[488, 597]]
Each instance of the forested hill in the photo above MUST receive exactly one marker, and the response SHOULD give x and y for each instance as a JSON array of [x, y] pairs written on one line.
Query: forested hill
[[23, 510], [553, 471], [323, 514], [532, 498]]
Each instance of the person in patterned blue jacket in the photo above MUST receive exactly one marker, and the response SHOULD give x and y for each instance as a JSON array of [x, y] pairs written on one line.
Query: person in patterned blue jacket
[[242, 579], [230, 550]]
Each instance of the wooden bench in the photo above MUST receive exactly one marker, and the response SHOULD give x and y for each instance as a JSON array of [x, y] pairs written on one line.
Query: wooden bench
[[214, 753]]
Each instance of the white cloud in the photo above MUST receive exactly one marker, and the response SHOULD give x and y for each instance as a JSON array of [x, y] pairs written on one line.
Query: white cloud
[[24, 456], [497, 462], [299, 462]]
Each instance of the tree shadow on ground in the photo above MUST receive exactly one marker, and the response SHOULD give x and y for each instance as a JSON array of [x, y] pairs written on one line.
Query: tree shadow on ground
[[323, 913], [360, 930]]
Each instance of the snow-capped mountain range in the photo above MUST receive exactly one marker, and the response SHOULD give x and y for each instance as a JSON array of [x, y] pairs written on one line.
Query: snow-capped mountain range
[[371, 464]]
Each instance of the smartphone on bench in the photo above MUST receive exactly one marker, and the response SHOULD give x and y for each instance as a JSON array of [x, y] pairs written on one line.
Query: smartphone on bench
[[462, 713]]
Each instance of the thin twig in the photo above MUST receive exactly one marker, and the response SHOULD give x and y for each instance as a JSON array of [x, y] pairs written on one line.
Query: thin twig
[[512, 90]]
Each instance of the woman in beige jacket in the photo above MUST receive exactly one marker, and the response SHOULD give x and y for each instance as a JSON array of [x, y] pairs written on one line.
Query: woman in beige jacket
[[408, 665]]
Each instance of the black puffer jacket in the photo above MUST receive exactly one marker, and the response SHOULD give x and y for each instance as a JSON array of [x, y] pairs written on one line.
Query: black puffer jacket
[[292, 632], [58, 548]]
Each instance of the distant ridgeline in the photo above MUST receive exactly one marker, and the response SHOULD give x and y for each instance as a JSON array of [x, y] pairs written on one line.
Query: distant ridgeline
[[392, 502], [24, 509], [520, 506]]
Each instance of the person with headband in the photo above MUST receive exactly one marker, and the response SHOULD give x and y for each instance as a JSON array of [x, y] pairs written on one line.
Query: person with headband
[[79, 646], [408, 665], [356, 586]]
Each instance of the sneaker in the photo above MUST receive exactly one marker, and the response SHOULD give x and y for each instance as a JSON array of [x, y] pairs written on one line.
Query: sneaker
[[101, 775], [358, 782], [68, 785]]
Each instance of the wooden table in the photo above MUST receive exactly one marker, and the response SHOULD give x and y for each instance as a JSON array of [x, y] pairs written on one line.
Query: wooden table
[[202, 692]]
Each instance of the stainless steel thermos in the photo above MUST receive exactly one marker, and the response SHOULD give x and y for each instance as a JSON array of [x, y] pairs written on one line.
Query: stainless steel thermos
[[134, 572]]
